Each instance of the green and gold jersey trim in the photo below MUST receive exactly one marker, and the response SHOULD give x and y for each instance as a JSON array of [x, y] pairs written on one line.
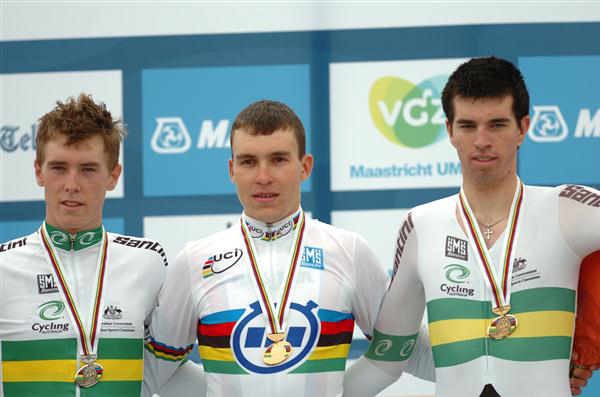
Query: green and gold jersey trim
[[458, 328], [48, 367], [74, 242]]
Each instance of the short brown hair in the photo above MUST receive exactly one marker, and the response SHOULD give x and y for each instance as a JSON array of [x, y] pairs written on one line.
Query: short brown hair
[[265, 117], [80, 119]]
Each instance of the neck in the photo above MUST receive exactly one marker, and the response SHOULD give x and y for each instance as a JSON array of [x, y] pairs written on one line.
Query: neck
[[490, 203]]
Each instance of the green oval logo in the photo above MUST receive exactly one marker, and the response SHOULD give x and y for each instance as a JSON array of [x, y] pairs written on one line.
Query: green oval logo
[[457, 273], [407, 114], [51, 310]]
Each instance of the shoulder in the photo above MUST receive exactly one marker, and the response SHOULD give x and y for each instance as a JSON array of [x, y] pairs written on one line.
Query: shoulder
[[25, 245], [144, 247], [570, 192], [18, 253], [225, 239], [439, 210], [579, 193], [317, 230]]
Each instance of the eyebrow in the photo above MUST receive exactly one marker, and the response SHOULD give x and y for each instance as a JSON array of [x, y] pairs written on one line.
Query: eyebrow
[[497, 120], [242, 156], [60, 162]]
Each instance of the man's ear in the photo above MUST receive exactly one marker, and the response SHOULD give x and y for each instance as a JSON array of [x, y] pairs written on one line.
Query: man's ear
[[231, 173], [523, 128], [38, 173], [113, 178], [307, 163], [450, 133]]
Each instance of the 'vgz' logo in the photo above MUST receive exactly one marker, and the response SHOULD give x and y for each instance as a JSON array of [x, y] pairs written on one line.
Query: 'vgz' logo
[[407, 114], [46, 284], [171, 135], [548, 125]]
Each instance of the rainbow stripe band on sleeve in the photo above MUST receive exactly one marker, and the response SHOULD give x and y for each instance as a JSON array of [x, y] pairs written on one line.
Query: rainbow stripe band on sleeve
[[166, 352]]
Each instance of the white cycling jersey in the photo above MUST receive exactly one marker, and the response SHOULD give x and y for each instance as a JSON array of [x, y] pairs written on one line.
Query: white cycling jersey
[[436, 268], [39, 346], [210, 293]]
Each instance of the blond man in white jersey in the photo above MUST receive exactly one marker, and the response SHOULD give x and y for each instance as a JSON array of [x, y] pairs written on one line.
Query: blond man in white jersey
[[493, 330], [74, 298]]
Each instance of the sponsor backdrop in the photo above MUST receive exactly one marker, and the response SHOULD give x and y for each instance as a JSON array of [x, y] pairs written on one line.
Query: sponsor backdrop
[[369, 99], [187, 115], [25, 97], [399, 137], [564, 138]]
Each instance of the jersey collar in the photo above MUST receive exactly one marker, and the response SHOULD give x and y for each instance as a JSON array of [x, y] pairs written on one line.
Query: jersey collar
[[74, 242], [272, 231]]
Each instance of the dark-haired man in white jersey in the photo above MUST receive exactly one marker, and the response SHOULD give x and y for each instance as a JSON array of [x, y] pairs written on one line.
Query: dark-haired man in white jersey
[[493, 330]]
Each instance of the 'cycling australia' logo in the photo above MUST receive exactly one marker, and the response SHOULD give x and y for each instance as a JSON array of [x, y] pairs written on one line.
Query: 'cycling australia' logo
[[457, 273], [407, 114], [51, 310], [548, 125], [52, 316]]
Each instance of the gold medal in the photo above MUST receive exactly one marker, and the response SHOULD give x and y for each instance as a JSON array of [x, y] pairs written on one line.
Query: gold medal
[[279, 351], [89, 374], [502, 326]]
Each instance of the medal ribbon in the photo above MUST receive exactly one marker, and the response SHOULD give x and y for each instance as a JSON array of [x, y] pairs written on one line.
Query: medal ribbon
[[87, 343], [276, 323], [500, 293]]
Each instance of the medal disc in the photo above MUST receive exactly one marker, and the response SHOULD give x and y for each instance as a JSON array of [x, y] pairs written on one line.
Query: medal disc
[[277, 353], [89, 375], [502, 326]]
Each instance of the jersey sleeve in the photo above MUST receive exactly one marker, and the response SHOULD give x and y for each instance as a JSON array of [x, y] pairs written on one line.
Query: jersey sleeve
[[398, 323], [371, 283], [579, 217], [188, 381], [171, 332]]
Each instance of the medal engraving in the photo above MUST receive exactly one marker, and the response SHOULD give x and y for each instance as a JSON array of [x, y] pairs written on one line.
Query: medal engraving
[[89, 374], [277, 353], [502, 326]]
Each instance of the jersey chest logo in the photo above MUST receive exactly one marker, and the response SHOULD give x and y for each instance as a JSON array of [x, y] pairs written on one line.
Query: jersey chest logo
[[249, 338]]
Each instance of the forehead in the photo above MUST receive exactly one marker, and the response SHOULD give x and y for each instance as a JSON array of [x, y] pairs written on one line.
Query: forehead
[[483, 109], [90, 149], [281, 140]]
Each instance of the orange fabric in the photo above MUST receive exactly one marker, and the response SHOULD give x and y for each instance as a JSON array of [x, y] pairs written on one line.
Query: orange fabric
[[587, 325]]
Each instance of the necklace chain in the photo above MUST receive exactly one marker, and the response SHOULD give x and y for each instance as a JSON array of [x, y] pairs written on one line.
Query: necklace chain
[[491, 224]]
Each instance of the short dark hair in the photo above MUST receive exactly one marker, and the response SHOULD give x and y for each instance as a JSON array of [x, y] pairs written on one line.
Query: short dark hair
[[265, 117], [486, 78], [80, 119]]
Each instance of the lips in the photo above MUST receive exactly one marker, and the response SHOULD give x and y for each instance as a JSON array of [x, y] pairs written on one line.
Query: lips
[[484, 159], [265, 197], [71, 203]]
